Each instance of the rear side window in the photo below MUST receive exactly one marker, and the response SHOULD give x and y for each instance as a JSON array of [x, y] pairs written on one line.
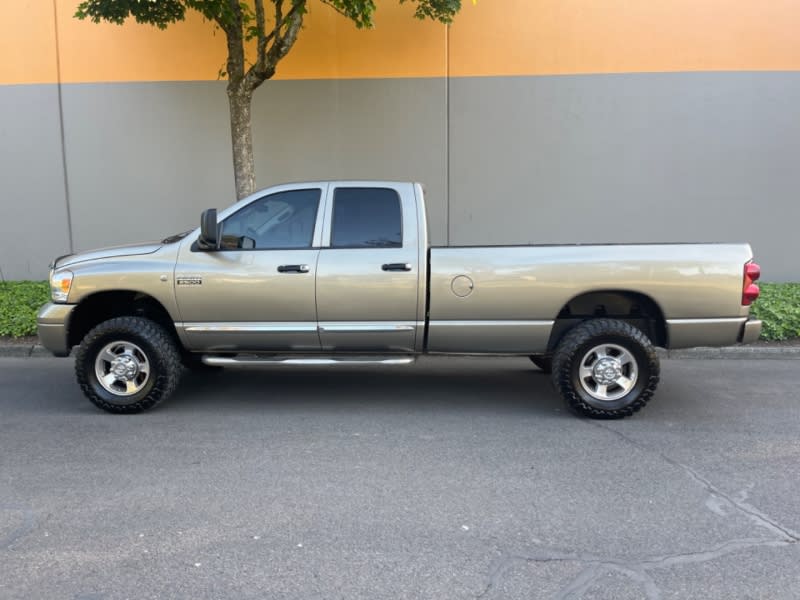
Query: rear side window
[[366, 218]]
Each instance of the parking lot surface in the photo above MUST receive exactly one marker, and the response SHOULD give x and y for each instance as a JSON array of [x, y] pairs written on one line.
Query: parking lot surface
[[456, 478]]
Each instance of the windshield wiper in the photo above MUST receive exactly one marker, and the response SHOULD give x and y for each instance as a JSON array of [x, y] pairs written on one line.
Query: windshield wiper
[[174, 238]]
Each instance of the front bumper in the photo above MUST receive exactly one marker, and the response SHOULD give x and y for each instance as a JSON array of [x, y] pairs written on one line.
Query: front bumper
[[751, 330], [52, 321]]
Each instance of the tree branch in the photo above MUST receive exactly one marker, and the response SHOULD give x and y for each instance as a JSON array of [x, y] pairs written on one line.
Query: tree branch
[[235, 39], [334, 7], [263, 39], [268, 58]]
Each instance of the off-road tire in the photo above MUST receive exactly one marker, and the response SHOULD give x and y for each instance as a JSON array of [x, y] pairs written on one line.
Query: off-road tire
[[545, 363], [158, 346], [574, 346]]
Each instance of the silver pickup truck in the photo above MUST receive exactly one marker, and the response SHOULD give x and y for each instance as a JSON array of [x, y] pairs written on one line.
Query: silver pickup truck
[[341, 273]]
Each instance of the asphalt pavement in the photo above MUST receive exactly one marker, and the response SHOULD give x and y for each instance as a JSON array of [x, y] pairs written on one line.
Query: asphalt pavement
[[455, 478]]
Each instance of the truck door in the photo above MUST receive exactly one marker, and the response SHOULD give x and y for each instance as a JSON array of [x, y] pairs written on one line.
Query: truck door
[[257, 291], [368, 270]]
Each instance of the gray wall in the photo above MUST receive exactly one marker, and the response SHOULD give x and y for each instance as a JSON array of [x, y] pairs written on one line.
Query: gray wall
[[591, 158], [33, 209]]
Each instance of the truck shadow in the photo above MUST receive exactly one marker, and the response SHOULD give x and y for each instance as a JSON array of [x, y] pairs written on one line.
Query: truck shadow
[[520, 388]]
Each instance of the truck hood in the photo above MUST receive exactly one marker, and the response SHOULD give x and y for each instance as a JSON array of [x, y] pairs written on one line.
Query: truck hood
[[127, 250]]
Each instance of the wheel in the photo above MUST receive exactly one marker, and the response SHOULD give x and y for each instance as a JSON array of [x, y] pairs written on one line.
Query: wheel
[[605, 369], [127, 365], [545, 363]]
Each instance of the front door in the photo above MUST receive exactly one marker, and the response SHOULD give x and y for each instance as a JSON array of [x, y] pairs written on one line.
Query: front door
[[368, 272], [257, 291]]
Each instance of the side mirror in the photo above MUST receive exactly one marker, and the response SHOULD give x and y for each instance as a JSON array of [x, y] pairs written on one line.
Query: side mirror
[[208, 239]]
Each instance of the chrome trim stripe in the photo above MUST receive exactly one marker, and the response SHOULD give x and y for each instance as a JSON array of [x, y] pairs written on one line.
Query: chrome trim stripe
[[547, 323], [248, 327], [265, 362], [725, 321], [366, 327], [296, 327]]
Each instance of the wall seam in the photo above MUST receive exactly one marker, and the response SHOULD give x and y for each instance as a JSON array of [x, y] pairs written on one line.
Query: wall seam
[[61, 130], [447, 128]]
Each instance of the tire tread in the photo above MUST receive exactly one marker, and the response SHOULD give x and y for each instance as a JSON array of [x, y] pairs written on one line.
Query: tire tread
[[164, 347], [566, 353]]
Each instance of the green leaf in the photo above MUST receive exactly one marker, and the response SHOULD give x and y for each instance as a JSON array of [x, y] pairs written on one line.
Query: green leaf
[[779, 308], [20, 301]]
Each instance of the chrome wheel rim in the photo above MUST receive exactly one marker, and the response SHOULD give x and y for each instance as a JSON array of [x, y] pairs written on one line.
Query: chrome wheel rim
[[608, 372], [122, 368]]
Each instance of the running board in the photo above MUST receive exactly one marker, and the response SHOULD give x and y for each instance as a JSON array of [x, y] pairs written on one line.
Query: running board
[[296, 361]]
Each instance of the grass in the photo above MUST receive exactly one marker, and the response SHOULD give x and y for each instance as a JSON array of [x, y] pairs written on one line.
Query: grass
[[778, 307]]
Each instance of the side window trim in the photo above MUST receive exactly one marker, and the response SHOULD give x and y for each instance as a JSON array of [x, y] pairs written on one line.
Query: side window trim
[[319, 218], [329, 222]]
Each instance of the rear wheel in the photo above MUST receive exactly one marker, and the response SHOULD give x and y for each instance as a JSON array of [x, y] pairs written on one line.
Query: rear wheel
[[605, 369], [127, 365]]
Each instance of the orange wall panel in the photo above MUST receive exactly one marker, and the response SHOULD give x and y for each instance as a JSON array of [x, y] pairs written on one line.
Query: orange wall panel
[[329, 46], [537, 37], [399, 45], [27, 42], [492, 37], [132, 52]]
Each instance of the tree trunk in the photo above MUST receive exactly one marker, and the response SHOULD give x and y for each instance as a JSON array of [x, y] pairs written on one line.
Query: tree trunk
[[244, 171]]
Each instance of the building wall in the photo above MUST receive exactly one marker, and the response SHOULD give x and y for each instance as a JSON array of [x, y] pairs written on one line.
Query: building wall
[[529, 121]]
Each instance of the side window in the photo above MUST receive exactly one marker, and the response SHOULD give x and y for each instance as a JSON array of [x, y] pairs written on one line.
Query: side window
[[366, 218], [282, 220]]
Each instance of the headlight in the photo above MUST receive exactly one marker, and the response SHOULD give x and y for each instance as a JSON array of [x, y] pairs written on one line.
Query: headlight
[[60, 283]]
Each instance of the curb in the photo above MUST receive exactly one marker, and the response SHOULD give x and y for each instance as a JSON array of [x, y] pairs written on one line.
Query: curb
[[728, 353], [735, 352], [24, 351]]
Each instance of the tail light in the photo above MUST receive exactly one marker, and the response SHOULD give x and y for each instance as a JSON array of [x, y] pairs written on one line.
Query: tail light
[[750, 290]]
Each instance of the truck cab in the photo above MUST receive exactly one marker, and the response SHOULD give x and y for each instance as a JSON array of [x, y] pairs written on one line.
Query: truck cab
[[309, 268]]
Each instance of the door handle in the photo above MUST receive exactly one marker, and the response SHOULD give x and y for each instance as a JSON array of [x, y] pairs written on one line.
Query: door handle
[[396, 267], [293, 269]]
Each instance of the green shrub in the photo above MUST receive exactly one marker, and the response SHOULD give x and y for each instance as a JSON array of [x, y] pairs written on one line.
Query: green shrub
[[779, 308], [19, 303]]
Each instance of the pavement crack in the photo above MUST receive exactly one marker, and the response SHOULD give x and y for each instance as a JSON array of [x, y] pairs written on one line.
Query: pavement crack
[[638, 570], [701, 556], [578, 586], [748, 510]]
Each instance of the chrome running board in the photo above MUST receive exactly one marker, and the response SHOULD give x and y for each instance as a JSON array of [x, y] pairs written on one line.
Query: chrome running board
[[254, 360]]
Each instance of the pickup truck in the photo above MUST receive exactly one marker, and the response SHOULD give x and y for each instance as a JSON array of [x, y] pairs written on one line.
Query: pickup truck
[[341, 273]]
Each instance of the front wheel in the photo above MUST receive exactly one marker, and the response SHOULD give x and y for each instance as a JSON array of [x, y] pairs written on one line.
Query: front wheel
[[605, 369], [127, 365]]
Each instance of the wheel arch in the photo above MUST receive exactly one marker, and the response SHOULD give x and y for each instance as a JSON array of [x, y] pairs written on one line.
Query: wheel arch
[[102, 306], [636, 308]]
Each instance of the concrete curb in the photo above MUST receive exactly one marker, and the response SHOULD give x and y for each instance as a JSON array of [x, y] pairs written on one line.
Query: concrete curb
[[735, 352], [23, 351], [732, 352]]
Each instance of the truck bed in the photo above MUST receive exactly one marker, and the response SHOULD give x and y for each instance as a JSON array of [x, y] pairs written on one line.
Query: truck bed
[[509, 297]]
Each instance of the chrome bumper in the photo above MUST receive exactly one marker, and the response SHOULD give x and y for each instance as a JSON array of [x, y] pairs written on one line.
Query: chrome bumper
[[751, 329], [52, 323]]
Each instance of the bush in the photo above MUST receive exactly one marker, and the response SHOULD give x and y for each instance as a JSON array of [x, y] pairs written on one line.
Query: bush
[[779, 308], [19, 303]]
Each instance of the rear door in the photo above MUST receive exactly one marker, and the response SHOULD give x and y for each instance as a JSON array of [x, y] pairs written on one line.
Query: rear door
[[368, 270]]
